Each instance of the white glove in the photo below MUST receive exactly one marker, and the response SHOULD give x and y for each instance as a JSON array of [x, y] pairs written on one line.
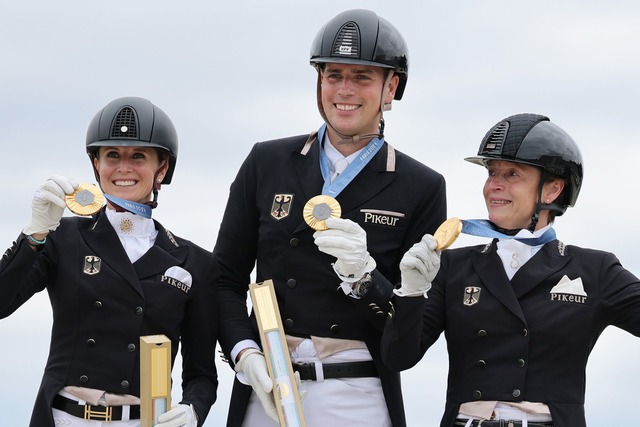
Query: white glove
[[254, 367], [419, 267], [48, 204], [346, 241], [179, 416]]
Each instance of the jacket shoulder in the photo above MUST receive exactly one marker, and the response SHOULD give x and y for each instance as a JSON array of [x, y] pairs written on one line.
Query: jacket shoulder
[[291, 142]]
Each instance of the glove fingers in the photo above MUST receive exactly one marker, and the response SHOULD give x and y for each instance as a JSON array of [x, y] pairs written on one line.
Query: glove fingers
[[430, 241], [267, 403], [413, 264], [341, 242], [48, 196], [66, 184], [344, 225]]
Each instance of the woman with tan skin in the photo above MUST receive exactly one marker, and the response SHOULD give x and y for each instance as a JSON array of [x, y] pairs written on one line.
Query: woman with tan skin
[[522, 313], [113, 277]]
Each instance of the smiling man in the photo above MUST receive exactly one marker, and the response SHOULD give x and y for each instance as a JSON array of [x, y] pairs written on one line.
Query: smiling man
[[327, 281]]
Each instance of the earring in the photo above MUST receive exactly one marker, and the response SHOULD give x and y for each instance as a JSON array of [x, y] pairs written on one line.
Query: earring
[[547, 201]]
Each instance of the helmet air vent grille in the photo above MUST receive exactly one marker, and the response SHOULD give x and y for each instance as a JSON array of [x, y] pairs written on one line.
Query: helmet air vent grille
[[347, 41], [125, 124], [496, 139]]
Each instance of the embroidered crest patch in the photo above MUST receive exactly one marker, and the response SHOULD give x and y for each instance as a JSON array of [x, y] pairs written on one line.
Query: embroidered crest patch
[[281, 206], [92, 265], [471, 295]]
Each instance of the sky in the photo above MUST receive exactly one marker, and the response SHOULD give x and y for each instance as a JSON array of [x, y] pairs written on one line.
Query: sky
[[230, 74]]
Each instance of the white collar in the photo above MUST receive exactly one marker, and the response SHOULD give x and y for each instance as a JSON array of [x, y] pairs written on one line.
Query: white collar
[[334, 155], [128, 224]]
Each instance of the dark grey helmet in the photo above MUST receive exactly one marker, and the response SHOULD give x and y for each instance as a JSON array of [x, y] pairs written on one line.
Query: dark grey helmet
[[361, 37], [136, 122], [532, 139]]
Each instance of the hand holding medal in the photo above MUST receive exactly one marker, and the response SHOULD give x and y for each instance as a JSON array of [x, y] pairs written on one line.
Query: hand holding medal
[[87, 199]]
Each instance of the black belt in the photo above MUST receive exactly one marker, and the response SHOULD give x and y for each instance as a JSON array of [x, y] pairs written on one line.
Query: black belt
[[500, 423], [94, 412], [337, 370]]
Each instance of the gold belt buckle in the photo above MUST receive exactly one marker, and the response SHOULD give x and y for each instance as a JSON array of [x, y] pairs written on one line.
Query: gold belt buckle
[[105, 415]]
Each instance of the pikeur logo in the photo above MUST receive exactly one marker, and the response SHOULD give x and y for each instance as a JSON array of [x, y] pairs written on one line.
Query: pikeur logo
[[568, 298], [176, 283], [373, 216]]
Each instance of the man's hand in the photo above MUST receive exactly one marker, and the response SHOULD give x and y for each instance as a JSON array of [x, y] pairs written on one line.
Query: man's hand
[[346, 241], [179, 416], [254, 367]]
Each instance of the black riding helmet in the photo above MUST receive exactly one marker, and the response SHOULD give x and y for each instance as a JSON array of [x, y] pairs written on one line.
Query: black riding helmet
[[136, 122], [532, 139], [361, 37]]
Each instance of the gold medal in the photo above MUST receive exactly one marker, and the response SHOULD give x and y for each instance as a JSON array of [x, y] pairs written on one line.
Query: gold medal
[[86, 200], [320, 208], [447, 233]]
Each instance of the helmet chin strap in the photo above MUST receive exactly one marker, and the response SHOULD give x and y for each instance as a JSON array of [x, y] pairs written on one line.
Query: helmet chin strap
[[157, 183], [355, 139]]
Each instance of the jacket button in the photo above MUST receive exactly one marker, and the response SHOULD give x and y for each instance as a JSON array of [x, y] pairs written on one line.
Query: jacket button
[[334, 329], [477, 395], [525, 332], [294, 242], [124, 384], [91, 342], [520, 363], [515, 393], [482, 363], [482, 333], [98, 304], [131, 348], [139, 310], [84, 379], [291, 283], [288, 323]]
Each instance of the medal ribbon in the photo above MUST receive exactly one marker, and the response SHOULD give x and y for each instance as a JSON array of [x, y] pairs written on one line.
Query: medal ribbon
[[483, 228], [129, 206], [334, 188]]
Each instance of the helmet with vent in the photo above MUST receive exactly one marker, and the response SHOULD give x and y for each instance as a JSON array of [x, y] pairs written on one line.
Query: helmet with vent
[[532, 139], [361, 37], [133, 121]]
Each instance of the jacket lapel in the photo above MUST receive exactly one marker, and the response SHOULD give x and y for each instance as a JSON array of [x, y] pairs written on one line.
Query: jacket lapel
[[369, 182], [163, 254], [546, 262], [491, 272], [102, 239]]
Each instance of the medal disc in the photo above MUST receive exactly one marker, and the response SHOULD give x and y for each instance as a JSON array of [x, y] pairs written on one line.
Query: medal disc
[[447, 233], [86, 200], [320, 208]]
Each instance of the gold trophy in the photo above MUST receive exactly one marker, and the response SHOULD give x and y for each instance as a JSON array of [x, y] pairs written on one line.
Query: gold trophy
[[155, 378], [274, 344]]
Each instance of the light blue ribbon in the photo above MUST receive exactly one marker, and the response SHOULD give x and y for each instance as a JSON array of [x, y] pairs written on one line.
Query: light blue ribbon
[[129, 206], [484, 228], [334, 188]]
